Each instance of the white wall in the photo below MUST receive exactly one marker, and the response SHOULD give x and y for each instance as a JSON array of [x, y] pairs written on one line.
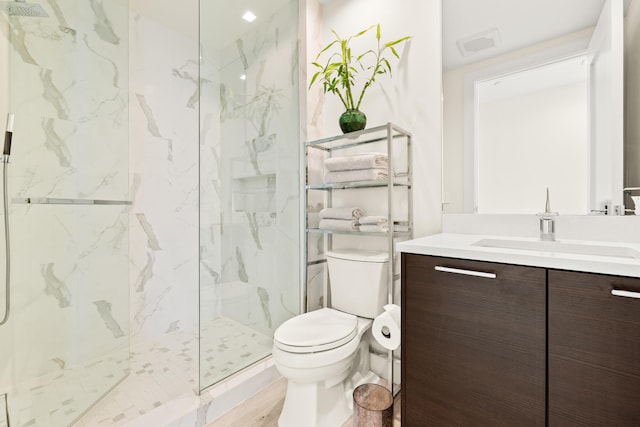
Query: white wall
[[412, 99]]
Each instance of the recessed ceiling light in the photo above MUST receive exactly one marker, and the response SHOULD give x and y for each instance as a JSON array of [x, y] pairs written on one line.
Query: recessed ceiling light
[[248, 16], [243, 77]]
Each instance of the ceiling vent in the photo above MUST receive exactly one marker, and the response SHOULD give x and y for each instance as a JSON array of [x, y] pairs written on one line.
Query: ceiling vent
[[478, 42]]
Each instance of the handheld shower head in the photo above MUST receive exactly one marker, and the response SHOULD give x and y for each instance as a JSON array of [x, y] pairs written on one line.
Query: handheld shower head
[[21, 8], [8, 135]]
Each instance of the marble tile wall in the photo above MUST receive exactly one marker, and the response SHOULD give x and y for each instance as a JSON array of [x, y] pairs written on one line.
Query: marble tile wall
[[68, 89], [250, 175], [164, 178], [75, 138], [164, 185]]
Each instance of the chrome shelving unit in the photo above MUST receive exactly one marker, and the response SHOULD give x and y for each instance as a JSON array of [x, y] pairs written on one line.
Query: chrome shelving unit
[[395, 140]]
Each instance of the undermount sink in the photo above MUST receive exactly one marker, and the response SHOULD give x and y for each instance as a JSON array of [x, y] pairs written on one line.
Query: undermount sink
[[560, 247]]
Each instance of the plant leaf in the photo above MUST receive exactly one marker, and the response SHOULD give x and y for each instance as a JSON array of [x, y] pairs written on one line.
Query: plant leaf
[[313, 79], [335, 54], [366, 53], [339, 73], [363, 32], [327, 47], [386, 63], [395, 42]]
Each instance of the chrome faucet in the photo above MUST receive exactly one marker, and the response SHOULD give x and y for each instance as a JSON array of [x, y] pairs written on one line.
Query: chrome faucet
[[547, 222]]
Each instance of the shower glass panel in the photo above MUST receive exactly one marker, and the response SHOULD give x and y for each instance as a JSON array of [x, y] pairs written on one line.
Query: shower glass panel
[[66, 343], [249, 181]]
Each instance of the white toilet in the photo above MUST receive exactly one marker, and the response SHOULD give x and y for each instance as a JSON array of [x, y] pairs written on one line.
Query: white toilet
[[323, 354]]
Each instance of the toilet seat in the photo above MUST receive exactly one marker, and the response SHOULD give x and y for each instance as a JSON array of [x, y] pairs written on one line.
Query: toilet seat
[[319, 330]]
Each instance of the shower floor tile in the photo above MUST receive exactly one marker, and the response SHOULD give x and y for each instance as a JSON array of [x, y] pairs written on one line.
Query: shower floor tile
[[56, 399], [160, 371], [227, 347]]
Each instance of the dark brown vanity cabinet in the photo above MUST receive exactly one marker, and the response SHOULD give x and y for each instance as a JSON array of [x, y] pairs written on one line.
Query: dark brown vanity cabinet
[[473, 345], [486, 344], [594, 350]]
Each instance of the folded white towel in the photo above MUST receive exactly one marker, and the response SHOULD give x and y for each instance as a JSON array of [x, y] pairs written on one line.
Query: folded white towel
[[339, 224], [356, 175], [378, 228], [357, 161], [341, 213], [373, 220]]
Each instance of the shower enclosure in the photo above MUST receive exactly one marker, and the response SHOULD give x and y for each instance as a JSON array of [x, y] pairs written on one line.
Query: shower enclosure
[[249, 181], [64, 76]]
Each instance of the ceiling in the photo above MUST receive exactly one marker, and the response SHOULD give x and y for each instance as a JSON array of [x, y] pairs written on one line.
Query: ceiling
[[220, 21], [519, 22]]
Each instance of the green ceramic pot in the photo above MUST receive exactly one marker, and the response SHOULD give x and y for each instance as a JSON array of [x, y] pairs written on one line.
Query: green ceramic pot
[[352, 120]]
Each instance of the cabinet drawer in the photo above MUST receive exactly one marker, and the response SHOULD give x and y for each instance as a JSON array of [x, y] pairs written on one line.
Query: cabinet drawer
[[594, 350], [473, 344]]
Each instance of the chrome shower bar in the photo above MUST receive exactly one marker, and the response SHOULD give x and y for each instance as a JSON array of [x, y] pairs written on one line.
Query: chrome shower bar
[[62, 201]]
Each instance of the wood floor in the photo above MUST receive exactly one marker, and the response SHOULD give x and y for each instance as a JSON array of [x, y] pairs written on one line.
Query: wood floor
[[263, 410]]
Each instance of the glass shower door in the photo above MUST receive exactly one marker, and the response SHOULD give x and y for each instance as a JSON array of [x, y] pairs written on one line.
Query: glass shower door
[[66, 343], [249, 182]]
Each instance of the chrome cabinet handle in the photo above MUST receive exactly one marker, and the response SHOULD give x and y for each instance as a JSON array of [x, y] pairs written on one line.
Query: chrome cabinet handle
[[466, 272], [625, 294]]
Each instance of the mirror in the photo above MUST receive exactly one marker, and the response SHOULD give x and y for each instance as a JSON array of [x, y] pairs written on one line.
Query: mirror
[[533, 98]]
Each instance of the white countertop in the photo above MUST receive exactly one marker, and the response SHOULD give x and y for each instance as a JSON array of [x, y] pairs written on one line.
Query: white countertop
[[461, 246]]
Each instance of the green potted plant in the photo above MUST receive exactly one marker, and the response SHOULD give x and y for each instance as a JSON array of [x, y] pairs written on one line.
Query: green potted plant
[[339, 73]]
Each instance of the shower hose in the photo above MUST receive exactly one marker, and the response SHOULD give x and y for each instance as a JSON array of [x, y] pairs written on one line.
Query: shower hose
[[7, 284]]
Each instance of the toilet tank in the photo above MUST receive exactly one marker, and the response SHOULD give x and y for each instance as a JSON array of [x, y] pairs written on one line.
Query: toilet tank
[[358, 280]]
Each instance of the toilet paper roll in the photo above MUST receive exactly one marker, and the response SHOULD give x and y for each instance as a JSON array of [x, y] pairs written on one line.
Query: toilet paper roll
[[386, 327]]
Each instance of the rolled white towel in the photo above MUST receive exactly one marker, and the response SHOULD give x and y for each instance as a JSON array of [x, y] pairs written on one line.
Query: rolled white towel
[[339, 224], [373, 220], [356, 175], [377, 228], [357, 161], [341, 213]]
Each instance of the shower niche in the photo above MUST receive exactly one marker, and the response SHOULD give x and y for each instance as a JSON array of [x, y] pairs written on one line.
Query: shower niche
[[254, 194], [254, 179]]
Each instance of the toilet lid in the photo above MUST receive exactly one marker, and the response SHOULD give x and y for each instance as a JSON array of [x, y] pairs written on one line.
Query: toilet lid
[[319, 330]]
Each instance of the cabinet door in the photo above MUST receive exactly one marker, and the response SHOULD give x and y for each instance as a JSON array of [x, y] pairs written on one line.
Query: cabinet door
[[594, 350], [473, 348]]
